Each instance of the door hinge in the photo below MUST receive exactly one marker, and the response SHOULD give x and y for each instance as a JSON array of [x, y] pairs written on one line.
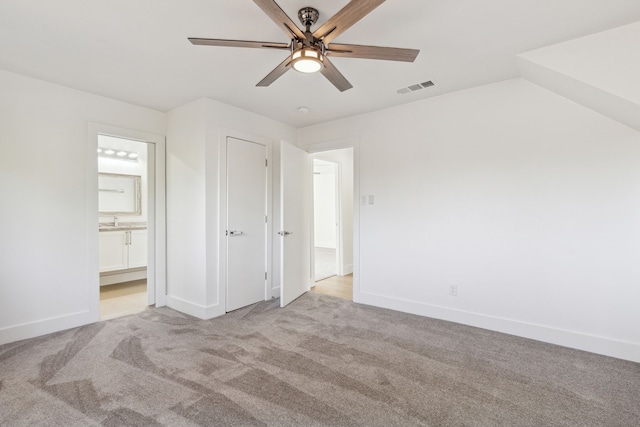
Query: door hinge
[[266, 163], [265, 219], [265, 275]]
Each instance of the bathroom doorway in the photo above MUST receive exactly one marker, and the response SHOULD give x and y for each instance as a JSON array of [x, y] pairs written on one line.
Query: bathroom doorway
[[125, 203]]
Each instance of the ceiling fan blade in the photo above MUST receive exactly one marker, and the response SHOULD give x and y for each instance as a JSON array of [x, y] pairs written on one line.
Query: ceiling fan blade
[[372, 52], [345, 18], [276, 73], [237, 43], [334, 76], [277, 15]]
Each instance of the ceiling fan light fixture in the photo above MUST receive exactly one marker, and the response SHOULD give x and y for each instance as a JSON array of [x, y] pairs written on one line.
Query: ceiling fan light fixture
[[307, 50], [307, 60]]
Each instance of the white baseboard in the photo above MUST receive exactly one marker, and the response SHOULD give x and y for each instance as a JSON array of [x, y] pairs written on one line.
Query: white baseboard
[[46, 326], [275, 292], [591, 343], [193, 309]]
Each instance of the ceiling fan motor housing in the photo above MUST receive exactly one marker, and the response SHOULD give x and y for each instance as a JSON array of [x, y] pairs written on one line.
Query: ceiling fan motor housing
[[308, 16]]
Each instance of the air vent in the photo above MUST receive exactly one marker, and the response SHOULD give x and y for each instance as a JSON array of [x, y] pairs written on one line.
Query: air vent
[[415, 87]]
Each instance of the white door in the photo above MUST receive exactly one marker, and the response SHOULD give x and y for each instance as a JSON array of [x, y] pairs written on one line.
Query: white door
[[246, 223], [295, 227]]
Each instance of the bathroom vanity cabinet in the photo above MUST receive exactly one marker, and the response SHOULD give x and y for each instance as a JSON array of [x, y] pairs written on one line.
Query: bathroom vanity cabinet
[[122, 250]]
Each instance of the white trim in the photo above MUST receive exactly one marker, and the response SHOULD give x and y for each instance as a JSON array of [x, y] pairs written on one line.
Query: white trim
[[150, 271], [591, 343], [192, 309], [157, 265], [46, 326], [353, 142], [339, 221], [269, 281], [222, 213], [92, 254], [312, 231]]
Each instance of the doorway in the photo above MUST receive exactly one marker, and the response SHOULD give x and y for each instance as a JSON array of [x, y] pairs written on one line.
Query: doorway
[[156, 256], [326, 206], [333, 199], [125, 203]]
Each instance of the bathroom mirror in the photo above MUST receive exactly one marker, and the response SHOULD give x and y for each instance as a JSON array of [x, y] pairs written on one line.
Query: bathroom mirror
[[119, 194]]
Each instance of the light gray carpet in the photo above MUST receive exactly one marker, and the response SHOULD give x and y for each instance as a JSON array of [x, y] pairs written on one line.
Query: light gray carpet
[[321, 361], [325, 263]]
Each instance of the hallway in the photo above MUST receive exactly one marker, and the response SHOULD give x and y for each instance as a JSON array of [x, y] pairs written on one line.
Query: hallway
[[336, 286]]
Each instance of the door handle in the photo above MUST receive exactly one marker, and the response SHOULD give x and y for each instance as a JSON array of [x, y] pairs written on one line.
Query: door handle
[[284, 233], [235, 233]]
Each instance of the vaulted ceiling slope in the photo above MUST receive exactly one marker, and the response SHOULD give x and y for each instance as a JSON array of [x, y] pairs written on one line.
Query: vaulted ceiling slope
[[137, 51], [599, 71]]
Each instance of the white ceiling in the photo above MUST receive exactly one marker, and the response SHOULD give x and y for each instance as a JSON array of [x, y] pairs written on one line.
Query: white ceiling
[[137, 50]]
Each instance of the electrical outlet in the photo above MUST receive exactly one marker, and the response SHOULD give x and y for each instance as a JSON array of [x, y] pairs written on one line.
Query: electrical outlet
[[453, 290]]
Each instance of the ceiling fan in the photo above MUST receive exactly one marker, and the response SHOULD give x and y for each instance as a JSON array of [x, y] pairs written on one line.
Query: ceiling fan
[[309, 51]]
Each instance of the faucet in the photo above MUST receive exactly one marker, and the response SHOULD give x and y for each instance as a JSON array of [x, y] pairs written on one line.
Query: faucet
[[115, 221]]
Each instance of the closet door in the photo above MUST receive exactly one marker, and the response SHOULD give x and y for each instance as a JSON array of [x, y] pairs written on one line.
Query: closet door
[[246, 232]]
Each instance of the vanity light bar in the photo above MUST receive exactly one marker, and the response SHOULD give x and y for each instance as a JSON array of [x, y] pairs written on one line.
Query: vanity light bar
[[118, 154]]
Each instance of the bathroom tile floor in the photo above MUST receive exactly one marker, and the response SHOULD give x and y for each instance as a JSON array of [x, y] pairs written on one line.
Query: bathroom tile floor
[[121, 299]]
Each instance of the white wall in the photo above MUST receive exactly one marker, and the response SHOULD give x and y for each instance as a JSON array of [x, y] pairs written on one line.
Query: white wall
[[186, 213], [196, 134], [48, 272], [526, 201]]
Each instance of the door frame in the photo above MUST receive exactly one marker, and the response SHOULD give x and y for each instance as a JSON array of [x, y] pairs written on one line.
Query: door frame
[[157, 223], [222, 211], [353, 142]]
